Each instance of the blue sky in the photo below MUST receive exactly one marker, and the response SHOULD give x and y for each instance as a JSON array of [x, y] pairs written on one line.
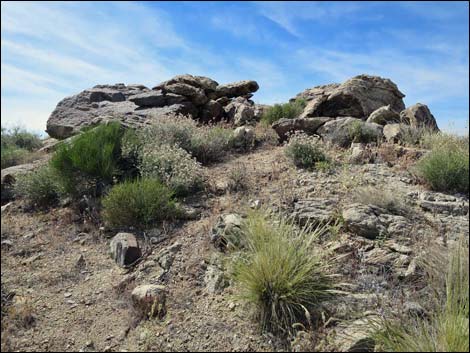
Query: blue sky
[[53, 50]]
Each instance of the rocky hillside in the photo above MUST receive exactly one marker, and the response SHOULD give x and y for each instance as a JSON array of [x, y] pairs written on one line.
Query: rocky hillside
[[90, 264]]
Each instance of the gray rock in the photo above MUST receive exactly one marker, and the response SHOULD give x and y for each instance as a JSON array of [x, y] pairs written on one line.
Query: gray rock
[[207, 84], [76, 111], [243, 137], [240, 111], [419, 115], [166, 256], [237, 89], [150, 300], [308, 125], [436, 202], [395, 133], [125, 249], [211, 111], [214, 279], [355, 336], [341, 131], [315, 211], [357, 97], [157, 99], [370, 221], [384, 115], [194, 94], [226, 231]]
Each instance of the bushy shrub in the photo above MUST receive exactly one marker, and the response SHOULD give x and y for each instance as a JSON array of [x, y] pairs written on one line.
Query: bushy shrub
[[304, 151], [445, 168], [288, 110], [211, 144], [206, 144], [173, 166], [18, 146], [280, 272], [40, 187], [139, 203], [90, 161], [446, 327], [361, 133]]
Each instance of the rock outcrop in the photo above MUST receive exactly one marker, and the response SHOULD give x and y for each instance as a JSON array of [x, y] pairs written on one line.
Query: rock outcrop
[[136, 105], [357, 97]]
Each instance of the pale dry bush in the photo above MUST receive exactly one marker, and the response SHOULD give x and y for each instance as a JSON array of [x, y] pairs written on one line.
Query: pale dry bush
[[173, 166]]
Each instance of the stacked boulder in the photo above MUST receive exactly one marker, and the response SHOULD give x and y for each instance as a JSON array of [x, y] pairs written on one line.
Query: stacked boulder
[[373, 103], [199, 97]]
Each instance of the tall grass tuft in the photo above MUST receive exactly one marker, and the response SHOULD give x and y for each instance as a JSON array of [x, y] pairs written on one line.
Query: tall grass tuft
[[447, 328], [280, 272]]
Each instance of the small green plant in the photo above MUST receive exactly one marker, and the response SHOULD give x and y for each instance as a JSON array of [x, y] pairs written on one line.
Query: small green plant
[[304, 151], [289, 110], [446, 329], [40, 187], [90, 161], [139, 203], [173, 166], [360, 133], [210, 144], [280, 272], [445, 168]]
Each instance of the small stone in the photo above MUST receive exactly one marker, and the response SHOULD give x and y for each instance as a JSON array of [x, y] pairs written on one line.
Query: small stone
[[125, 249], [150, 299]]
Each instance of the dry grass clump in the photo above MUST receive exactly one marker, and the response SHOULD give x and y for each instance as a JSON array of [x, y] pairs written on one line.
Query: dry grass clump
[[382, 198], [281, 272], [446, 327]]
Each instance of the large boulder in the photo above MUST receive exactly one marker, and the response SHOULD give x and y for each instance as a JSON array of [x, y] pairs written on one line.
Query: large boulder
[[344, 131], [384, 115], [237, 89], [419, 115], [77, 111], [207, 84], [284, 127], [357, 97], [156, 99], [211, 111]]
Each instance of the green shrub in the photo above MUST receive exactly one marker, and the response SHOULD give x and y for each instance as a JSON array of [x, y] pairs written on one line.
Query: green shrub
[[445, 168], [90, 161], [446, 329], [361, 133], [173, 166], [18, 146], [279, 271], [304, 151], [289, 110], [40, 187], [139, 203]]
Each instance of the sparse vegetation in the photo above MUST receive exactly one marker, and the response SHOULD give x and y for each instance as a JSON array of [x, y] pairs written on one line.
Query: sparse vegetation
[[280, 272], [139, 203], [305, 152], [288, 110], [90, 161], [238, 180], [173, 166], [446, 329], [40, 187], [383, 198], [18, 146]]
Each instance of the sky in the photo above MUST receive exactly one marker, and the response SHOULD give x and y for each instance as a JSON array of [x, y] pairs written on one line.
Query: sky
[[51, 50]]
